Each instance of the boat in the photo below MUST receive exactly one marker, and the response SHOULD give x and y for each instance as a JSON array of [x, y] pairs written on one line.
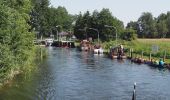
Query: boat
[[159, 64], [98, 49], [48, 42], [85, 45], [117, 53]]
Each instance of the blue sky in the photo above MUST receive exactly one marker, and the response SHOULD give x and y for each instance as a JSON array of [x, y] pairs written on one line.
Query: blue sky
[[125, 10]]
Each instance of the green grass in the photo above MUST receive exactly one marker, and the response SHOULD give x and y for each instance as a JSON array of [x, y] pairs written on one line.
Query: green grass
[[145, 46]]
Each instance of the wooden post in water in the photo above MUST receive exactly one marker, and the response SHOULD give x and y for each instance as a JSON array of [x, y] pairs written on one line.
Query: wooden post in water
[[129, 52], [150, 56], [132, 54], [134, 92], [70, 44], [142, 55], [164, 56]]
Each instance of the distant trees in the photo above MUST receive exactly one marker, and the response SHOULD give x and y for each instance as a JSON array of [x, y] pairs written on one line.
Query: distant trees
[[97, 20], [39, 17], [149, 27], [44, 19]]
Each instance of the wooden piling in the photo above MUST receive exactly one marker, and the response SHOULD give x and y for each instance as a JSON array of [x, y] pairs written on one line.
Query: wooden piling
[[142, 55], [150, 56], [164, 56], [132, 53]]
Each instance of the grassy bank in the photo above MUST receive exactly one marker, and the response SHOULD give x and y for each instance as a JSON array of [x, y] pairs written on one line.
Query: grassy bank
[[26, 67], [145, 46]]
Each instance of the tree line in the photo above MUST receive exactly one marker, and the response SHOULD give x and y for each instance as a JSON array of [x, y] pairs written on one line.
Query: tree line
[[148, 26], [99, 21], [46, 20]]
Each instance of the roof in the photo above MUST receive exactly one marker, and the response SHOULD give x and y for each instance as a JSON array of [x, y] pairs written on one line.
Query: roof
[[64, 33]]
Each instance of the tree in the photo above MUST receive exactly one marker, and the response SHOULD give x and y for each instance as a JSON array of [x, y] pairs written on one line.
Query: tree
[[168, 24], [39, 17], [162, 29], [148, 25], [16, 39], [129, 34], [97, 20]]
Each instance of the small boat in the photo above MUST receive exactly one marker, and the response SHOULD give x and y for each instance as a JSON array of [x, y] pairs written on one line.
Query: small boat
[[48, 42], [85, 45], [117, 53], [98, 49]]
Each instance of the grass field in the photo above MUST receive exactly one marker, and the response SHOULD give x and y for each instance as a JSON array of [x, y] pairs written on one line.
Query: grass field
[[146, 46]]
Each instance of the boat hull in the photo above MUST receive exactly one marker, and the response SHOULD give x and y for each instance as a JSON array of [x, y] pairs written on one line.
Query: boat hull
[[98, 51], [118, 57]]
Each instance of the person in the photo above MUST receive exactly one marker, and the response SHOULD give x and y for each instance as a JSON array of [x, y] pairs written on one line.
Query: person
[[120, 50], [161, 62], [156, 62], [121, 46]]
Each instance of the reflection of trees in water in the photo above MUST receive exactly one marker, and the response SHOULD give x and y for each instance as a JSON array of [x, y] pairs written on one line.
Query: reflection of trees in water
[[120, 60]]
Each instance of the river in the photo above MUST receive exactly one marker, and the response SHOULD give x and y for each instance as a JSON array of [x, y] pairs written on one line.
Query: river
[[68, 74]]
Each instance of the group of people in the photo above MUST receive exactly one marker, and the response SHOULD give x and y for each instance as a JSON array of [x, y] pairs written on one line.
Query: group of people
[[153, 62]]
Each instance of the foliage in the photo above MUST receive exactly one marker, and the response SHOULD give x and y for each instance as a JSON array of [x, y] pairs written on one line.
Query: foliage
[[129, 35], [146, 45], [97, 20], [149, 27], [44, 19], [16, 41]]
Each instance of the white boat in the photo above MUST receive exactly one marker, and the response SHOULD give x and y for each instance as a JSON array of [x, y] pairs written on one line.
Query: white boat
[[48, 42], [98, 51]]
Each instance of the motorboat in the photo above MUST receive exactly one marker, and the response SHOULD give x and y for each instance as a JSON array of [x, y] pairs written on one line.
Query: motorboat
[[117, 53], [98, 49], [49, 41]]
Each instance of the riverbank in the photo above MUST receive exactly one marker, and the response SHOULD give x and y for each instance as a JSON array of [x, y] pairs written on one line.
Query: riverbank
[[35, 57], [156, 48]]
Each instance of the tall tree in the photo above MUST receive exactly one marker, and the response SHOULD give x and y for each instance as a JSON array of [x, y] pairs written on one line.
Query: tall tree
[[39, 17], [148, 25], [168, 24], [98, 20]]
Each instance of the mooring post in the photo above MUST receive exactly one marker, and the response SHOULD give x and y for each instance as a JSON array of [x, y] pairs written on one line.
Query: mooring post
[[70, 44], [134, 92], [150, 56], [164, 56], [132, 54], [142, 55]]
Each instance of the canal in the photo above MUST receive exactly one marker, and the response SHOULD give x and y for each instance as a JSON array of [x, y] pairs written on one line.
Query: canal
[[68, 74]]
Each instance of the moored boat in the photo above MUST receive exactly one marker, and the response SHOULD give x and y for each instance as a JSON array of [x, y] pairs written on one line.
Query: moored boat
[[85, 45], [98, 49], [117, 52], [48, 42]]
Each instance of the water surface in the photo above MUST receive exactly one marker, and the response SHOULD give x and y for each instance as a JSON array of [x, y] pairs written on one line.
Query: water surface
[[68, 74]]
